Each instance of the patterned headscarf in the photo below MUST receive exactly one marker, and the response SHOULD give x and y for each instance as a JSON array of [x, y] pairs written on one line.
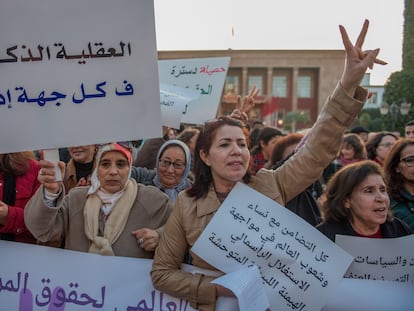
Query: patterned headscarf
[[95, 184]]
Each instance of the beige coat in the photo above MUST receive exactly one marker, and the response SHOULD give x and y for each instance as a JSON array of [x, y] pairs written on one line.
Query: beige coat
[[190, 217], [151, 209]]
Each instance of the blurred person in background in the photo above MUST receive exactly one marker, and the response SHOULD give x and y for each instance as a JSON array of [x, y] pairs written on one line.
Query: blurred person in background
[[409, 129], [399, 174], [80, 167], [361, 132], [261, 153], [189, 136], [379, 145], [352, 149], [18, 183]]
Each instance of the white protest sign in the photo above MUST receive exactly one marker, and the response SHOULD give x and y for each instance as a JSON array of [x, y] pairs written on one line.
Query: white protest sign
[[204, 75], [300, 267], [55, 280], [246, 285], [368, 295], [124, 284], [380, 259], [77, 72], [174, 102]]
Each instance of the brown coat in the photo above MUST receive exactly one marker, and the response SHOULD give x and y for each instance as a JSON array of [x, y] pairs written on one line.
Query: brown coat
[[70, 179], [151, 209], [190, 217]]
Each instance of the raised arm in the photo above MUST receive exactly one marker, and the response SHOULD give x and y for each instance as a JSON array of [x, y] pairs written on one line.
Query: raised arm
[[338, 113]]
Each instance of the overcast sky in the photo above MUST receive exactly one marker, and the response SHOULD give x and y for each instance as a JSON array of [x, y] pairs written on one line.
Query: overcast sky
[[281, 24]]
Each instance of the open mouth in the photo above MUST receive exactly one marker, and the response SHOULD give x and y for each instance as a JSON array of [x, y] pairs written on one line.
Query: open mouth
[[381, 211], [236, 164]]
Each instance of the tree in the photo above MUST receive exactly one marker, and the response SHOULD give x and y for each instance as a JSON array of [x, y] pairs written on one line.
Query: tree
[[399, 86], [408, 36], [292, 117]]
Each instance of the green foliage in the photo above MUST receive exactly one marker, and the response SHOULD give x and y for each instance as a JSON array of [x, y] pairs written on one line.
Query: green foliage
[[408, 37], [371, 119], [377, 125], [297, 116], [399, 88], [365, 119], [378, 122]]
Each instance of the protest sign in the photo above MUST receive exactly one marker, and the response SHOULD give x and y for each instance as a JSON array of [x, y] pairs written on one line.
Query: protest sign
[[59, 280], [69, 77], [380, 259], [300, 267], [32, 275], [174, 102], [204, 75]]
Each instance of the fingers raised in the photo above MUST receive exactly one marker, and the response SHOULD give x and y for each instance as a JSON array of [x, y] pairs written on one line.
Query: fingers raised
[[362, 35]]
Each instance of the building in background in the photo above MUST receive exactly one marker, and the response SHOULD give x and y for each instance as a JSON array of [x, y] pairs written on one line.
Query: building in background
[[377, 91], [289, 80]]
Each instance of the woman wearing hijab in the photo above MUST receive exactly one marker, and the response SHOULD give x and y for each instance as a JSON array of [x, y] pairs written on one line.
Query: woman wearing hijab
[[113, 216], [172, 169]]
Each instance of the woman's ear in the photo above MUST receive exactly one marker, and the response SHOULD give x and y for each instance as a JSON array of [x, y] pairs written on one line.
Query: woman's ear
[[262, 144], [204, 157], [347, 204]]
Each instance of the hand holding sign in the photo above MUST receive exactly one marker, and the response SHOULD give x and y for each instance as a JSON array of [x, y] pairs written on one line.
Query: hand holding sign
[[51, 172]]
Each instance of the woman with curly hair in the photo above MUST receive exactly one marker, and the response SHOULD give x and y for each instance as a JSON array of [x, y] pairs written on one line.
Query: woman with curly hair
[[399, 174], [379, 146]]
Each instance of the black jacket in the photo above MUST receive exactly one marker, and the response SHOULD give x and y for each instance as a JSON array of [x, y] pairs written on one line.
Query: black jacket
[[390, 229]]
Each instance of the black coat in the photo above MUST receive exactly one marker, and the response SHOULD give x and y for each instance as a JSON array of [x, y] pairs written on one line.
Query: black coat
[[390, 229]]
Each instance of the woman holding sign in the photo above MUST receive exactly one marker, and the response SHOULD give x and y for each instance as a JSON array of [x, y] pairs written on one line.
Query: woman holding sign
[[222, 160], [113, 216]]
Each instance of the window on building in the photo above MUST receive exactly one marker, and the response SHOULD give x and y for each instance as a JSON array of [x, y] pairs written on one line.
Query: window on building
[[304, 89], [255, 81], [279, 86], [231, 86], [374, 98]]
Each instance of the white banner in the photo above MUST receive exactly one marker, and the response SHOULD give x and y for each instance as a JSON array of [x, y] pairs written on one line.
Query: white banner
[[380, 259], [43, 278], [300, 267], [204, 75], [77, 72], [39, 278]]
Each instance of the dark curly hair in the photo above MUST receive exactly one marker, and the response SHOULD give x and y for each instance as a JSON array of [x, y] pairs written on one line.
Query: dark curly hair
[[394, 179], [373, 143]]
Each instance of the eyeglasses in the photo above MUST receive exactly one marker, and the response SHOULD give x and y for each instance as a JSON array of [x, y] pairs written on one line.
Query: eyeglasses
[[167, 163], [409, 161], [386, 145]]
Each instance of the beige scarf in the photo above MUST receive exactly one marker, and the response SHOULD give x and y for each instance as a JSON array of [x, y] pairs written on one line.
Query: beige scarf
[[115, 223]]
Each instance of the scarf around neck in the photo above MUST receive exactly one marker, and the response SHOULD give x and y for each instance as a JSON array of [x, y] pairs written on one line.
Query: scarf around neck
[[115, 222]]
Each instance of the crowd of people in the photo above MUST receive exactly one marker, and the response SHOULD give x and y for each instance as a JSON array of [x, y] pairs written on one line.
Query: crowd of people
[[155, 199]]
